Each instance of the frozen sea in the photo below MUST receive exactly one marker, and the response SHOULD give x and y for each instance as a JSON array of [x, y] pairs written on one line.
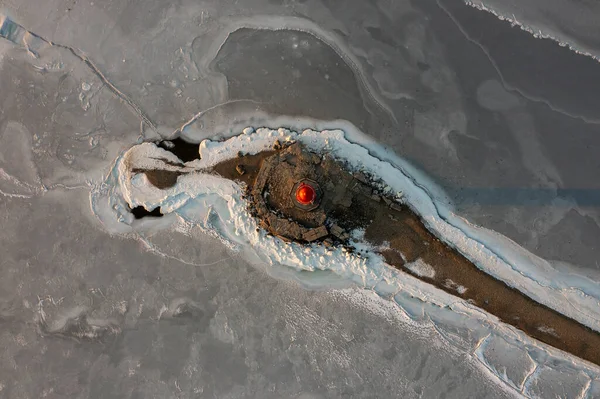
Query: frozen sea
[[505, 123]]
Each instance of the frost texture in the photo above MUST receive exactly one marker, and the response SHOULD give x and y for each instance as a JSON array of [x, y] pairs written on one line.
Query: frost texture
[[215, 205], [574, 296]]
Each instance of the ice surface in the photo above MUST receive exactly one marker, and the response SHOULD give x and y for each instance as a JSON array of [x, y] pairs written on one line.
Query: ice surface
[[593, 390], [182, 315], [508, 361], [552, 20], [557, 382], [493, 253], [215, 205]]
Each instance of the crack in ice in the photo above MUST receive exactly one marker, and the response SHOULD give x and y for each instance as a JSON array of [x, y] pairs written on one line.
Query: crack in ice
[[11, 31], [507, 85]]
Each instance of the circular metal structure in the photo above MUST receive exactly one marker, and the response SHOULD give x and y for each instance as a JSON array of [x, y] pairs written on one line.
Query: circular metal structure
[[306, 195]]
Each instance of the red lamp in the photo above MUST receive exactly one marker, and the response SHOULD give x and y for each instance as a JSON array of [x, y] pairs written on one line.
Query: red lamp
[[305, 194]]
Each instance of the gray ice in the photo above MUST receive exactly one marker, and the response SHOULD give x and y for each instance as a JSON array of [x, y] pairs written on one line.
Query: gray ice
[[86, 314]]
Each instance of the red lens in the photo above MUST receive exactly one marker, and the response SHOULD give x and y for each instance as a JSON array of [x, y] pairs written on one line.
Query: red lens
[[305, 194]]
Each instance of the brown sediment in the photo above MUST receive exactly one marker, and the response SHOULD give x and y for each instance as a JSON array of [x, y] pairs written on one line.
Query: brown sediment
[[160, 178], [164, 179], [251, 163], [349, 202], [170, 163], [409, 236]]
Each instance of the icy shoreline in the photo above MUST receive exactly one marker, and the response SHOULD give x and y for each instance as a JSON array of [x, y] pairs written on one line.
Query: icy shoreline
[[575, 296], [536, 28], [216, 206]]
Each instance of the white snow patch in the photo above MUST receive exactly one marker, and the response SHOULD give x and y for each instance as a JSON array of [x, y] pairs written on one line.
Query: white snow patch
[[453, 286], [420, 268], [548, 330], [357, 234]]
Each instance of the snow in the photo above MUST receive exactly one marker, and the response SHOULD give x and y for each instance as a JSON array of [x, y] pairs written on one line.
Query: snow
[[457, 287], [215, 206], [540, 31], [273, 338], [574, 296], [420, 268]]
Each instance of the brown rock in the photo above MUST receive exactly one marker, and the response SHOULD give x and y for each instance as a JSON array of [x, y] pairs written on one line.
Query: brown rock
[[361, 178], [347, 200], [338, 232], [395, 207], [315, 234], [362, 189]]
